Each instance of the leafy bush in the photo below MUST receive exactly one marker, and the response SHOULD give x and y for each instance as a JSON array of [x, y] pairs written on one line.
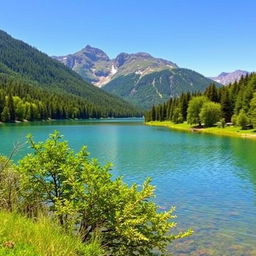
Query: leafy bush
[[84, 197], [9, 185]]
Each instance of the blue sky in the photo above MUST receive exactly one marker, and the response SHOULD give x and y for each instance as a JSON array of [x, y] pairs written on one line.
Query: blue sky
[[203, 35]]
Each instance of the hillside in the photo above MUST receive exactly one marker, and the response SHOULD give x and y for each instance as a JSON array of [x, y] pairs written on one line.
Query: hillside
[[21, 61], [95, 66], [139, 78], [156, 87], [234, 104]]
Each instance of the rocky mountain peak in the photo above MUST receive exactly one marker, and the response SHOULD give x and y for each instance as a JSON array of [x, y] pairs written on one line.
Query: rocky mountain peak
[[121, 59], [223, 74], [96, 67], [94, 54], [227, 78]]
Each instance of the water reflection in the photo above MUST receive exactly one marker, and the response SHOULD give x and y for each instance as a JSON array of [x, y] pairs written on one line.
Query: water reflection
[[211, 180]]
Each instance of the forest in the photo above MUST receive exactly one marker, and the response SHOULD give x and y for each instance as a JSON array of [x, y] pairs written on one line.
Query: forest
[[234, 104], [33, 86], [20, 100]]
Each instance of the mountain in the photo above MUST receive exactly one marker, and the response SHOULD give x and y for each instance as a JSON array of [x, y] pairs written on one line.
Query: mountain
[[229, 78], [96, 67], [138, 78], [19, 60], [156, 87]]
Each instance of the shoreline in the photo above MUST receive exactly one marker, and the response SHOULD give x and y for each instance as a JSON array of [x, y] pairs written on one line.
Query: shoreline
[[232, 131], [68, 119]]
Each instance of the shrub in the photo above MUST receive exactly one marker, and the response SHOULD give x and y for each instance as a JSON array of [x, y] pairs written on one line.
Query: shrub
[[85, 197], [9, 185]]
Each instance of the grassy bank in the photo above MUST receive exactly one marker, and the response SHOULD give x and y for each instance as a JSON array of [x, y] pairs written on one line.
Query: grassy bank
[[232, 131], [20, 236]]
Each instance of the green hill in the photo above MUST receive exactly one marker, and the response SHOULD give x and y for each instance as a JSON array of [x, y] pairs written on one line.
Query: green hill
[[156, 87], [23, 62]]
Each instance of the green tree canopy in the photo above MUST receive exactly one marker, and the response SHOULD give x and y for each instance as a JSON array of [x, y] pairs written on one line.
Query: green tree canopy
[[242, 119], [253, 111], [194, 109], [210, 113], [5, 115]]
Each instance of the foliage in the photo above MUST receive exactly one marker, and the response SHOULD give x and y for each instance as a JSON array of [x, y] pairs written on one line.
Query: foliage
[[211, 93], [177, 116], [233, 98], [252, 111], [84, 197], [194, 108], [226, 104], [210, 113], [222, 122], [9, 185], [157, 87], [21, 236], [234, 119], [242, 119], [48, 89], [5, 116], [22, 101]]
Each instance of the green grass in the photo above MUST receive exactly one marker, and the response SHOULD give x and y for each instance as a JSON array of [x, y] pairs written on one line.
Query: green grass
[[21, 236], [231, 131]]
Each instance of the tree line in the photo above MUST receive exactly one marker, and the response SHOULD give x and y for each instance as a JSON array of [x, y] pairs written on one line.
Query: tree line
[[20, 100], [27, 65], [234, 103]]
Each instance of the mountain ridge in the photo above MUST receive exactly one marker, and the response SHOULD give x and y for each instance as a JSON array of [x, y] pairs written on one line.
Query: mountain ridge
[[21, 60], [226, 78], [95, 66], [139, 78]]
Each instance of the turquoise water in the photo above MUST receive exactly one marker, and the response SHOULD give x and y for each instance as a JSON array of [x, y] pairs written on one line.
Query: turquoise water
[[211, 180]]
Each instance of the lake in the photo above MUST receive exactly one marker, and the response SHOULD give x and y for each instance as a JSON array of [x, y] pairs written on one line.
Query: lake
[[211, 180]]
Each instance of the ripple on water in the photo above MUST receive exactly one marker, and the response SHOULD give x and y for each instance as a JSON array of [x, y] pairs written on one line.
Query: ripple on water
[[211, 180]]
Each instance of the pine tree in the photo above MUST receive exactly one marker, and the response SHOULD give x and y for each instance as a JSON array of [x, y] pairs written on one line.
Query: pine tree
[[226, 105], [212, 93], [5, 116], [11, 108], [153, 113]]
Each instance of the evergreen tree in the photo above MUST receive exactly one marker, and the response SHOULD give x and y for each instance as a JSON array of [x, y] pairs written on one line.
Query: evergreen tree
[[153, 114], [226, 105], [10, 105], [253, 111], [5, 116], [211, 93]]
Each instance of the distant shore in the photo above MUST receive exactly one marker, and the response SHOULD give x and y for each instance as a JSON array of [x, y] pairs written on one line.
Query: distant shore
[[231, 131]]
